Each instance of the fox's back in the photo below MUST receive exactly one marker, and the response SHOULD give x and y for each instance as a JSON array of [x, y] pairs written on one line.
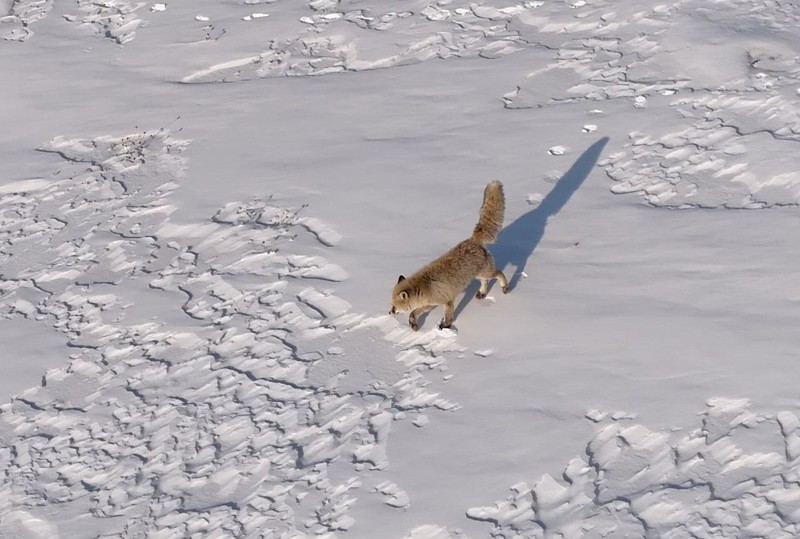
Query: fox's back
[[453, 271]]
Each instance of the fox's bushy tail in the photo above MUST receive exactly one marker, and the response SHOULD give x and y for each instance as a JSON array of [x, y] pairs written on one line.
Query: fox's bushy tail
[[492, 212]]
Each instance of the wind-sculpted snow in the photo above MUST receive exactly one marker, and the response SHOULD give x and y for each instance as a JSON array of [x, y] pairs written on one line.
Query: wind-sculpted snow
[[219, 422], [216, 380], [114, 19], [590, 39], [351, 36], [732, 147], [735, 124], [634, 482], [19, 15], [734, 119]]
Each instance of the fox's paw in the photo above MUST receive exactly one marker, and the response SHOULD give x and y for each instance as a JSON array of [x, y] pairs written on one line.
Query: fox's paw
[[451, 327], [506, 290], [414, 325], [480, 295]]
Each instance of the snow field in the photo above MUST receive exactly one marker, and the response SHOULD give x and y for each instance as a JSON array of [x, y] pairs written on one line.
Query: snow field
[[212, 377]]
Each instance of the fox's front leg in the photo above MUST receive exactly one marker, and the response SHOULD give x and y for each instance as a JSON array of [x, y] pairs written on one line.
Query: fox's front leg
[[412, 318], [447, 321]]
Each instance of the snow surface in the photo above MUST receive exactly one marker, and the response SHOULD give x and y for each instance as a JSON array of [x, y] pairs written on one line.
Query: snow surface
[[204, 206]]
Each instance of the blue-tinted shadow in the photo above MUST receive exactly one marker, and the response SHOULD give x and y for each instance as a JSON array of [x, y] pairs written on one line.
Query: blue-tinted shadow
[[517, 241]]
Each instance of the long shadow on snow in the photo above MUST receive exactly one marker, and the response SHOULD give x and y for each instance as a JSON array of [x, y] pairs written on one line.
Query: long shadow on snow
[[516, 242]]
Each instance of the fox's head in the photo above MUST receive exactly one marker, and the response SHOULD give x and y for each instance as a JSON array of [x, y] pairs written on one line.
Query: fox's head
[[401, 299]]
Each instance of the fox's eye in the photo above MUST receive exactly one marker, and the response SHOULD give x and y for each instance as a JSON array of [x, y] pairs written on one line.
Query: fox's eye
[[403, 295]]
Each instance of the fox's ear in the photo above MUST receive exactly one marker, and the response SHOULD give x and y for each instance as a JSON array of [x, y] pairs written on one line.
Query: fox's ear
[[403, 295], [401, 279]]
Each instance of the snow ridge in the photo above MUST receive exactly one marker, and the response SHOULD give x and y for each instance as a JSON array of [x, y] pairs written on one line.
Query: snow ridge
[[15, 24], [639, 483], [219, 422]]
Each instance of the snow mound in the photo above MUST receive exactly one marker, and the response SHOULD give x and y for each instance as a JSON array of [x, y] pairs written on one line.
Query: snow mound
[[226, 418], [637, 482]]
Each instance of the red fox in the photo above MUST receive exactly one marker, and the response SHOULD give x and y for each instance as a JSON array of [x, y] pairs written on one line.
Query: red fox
[[442, 280]]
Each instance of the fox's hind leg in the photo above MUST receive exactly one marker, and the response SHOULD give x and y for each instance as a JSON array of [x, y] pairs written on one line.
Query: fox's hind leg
[[488, 273], [503, 281], [484, 289]]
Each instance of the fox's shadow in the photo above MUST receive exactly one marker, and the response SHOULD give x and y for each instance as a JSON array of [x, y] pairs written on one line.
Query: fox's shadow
[[516, 242]]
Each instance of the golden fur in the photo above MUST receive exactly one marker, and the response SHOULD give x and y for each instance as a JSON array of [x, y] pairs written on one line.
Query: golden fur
[[439, 282]]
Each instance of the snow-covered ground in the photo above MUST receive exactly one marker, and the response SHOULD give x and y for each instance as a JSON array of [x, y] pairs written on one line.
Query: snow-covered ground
[[204, 206]]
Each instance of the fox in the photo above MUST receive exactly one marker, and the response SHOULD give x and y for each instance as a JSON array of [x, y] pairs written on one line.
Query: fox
[[439, 282]]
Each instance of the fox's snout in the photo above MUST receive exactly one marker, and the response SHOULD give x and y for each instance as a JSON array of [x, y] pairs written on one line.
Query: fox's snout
[[393, 310]]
